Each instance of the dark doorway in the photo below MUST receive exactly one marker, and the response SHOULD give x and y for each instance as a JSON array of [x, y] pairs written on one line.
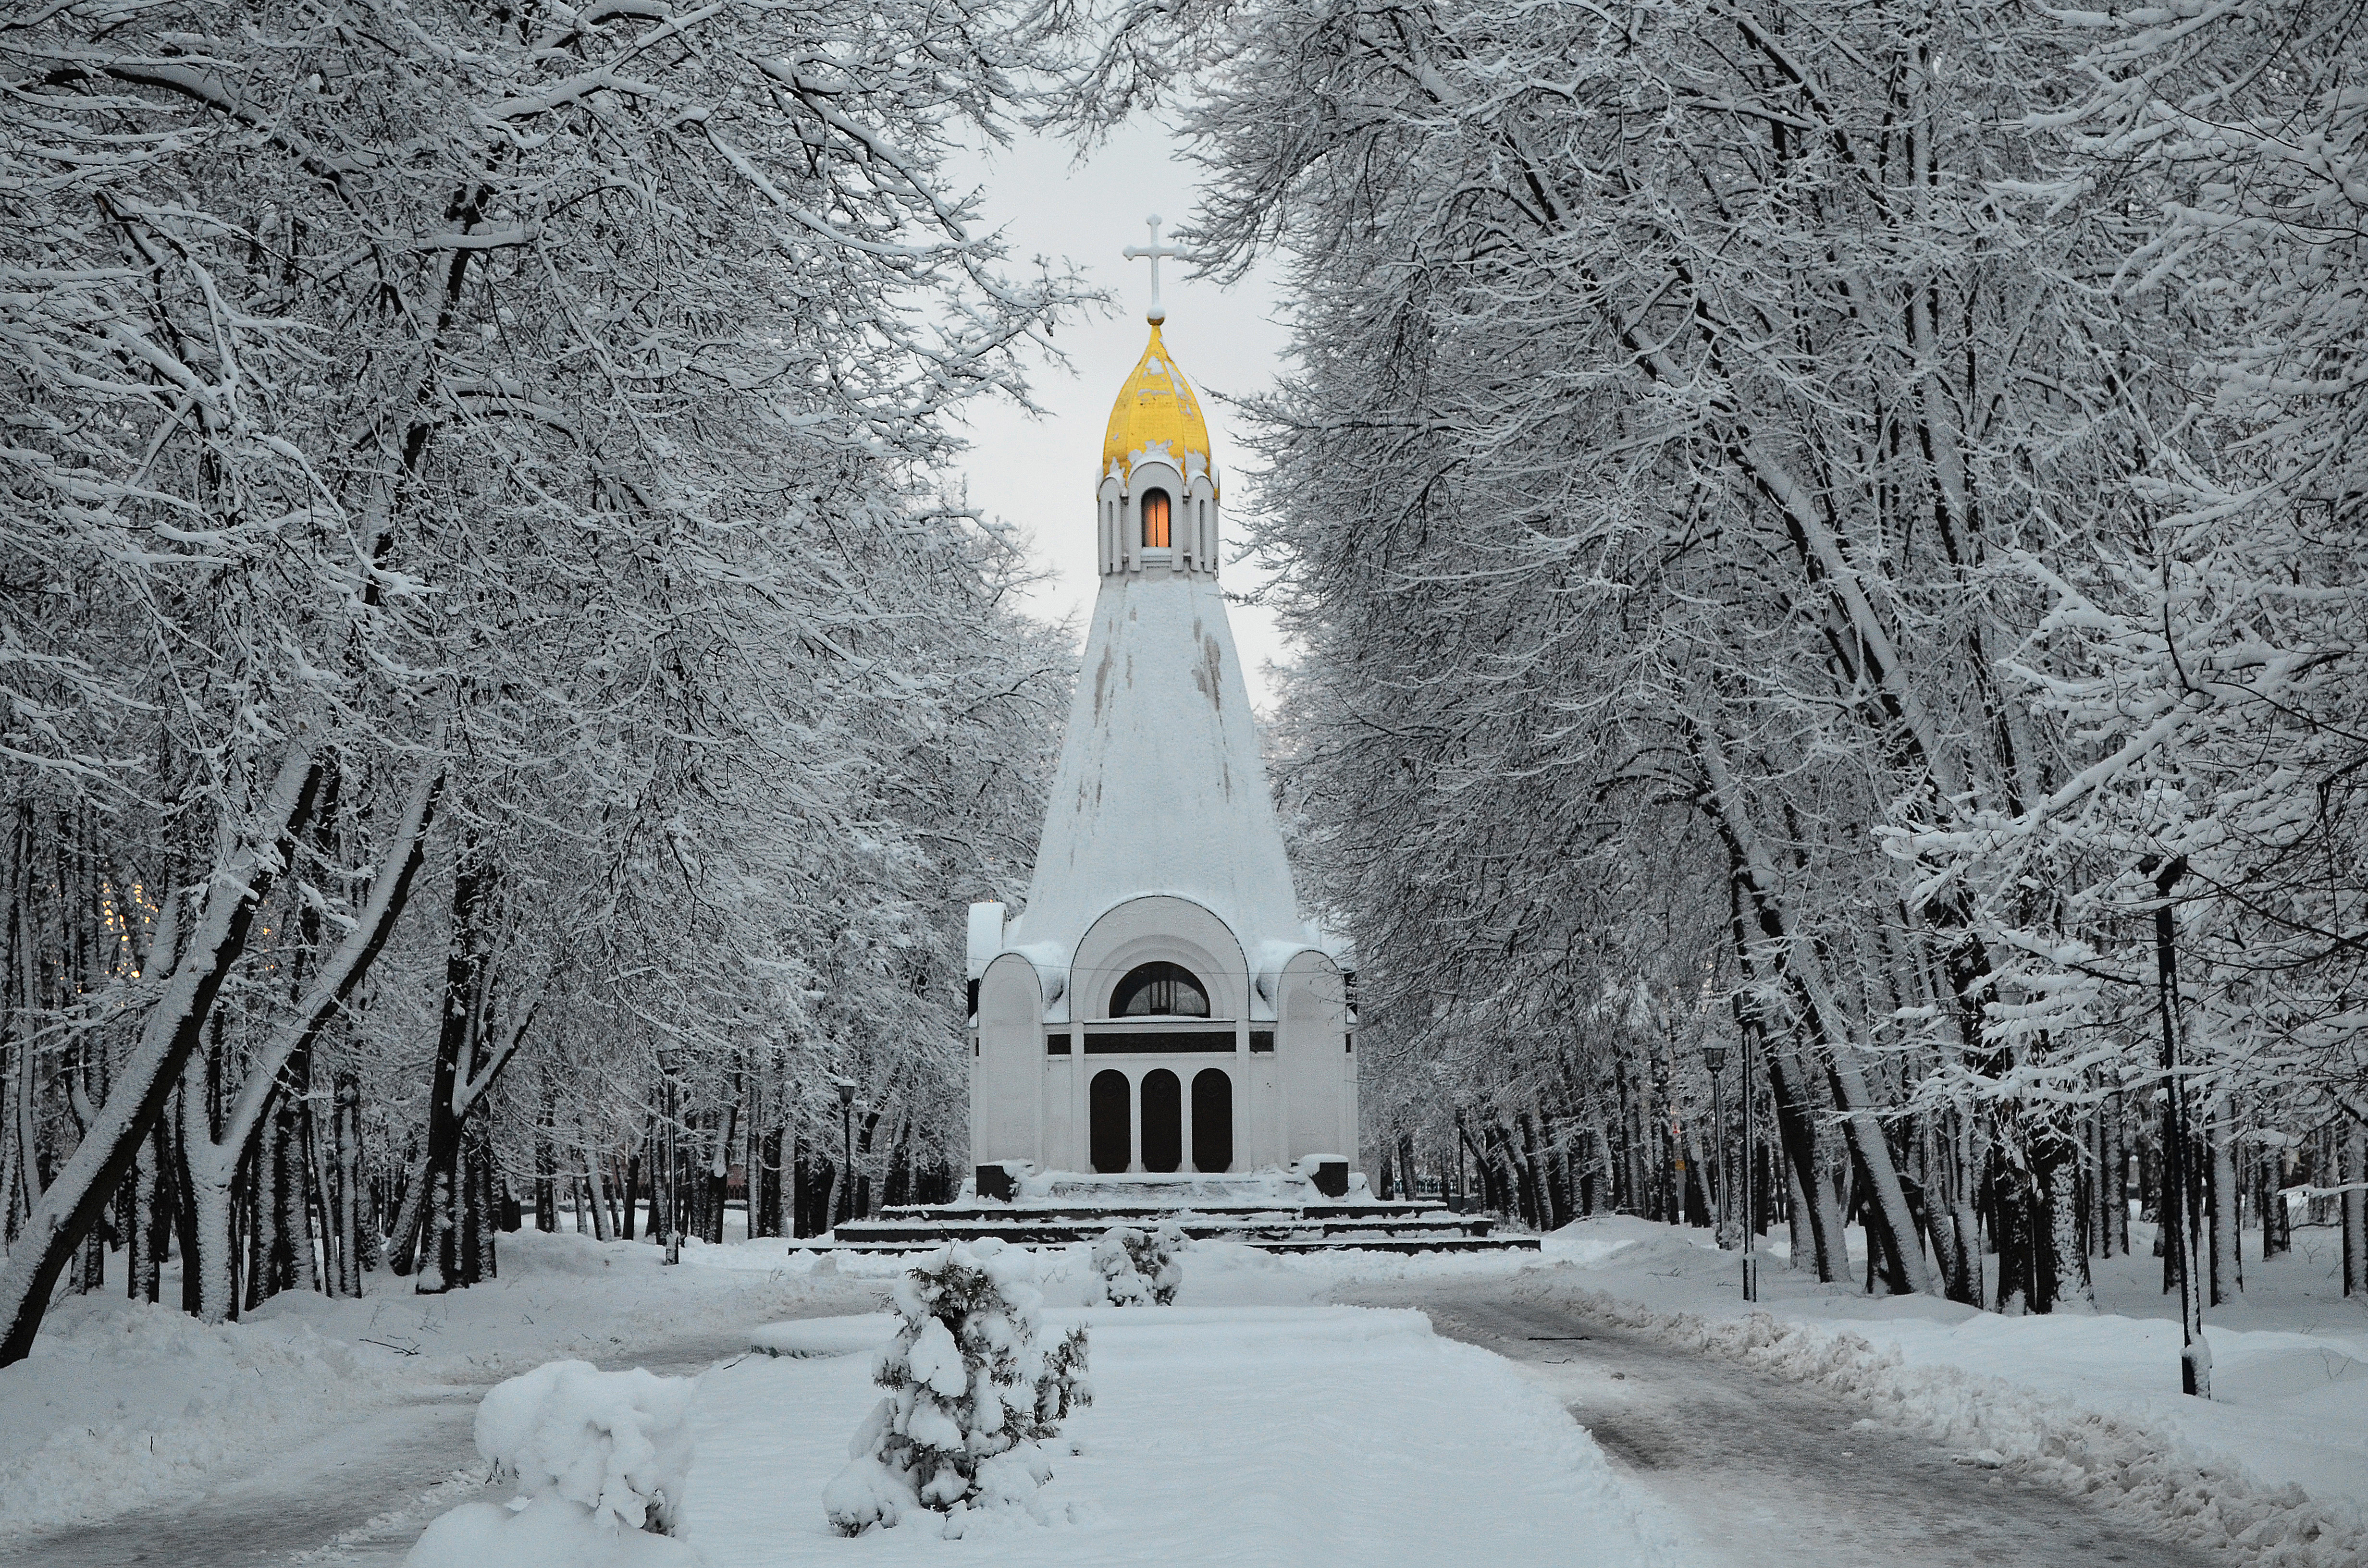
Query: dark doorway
[[1212, 1121], [1111, 1136], [1163, 1120]]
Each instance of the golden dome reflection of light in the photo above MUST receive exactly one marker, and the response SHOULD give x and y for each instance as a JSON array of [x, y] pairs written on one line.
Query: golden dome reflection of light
[[1155, 405]]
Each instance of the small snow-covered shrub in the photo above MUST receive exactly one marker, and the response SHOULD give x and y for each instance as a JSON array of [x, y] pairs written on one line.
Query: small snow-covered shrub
[[972, 1396], [600, 1459], [1140, 1269]]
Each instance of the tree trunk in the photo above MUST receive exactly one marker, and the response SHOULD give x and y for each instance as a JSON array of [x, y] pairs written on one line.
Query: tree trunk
[[468, 965], [765, 1205], [632, 1191], [152, 1217], [1800, 1132], [345, 1194], [2221, 1201], [78, 1194], [484, 1218], [546, 1206], [2354, 1179], [601, 1232], [1886, 1211]]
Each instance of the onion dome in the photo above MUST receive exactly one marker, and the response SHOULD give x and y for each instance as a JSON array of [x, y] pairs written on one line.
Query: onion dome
[[1157, 408]]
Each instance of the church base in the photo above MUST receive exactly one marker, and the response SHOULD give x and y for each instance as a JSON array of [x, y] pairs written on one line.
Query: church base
[[1274, 1211]]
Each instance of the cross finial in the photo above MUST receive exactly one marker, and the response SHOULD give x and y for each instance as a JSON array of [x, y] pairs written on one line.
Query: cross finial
[[1154, 250]]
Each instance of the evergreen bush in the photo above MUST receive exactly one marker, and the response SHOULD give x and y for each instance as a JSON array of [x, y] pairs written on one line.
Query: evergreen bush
[[972, 1397], [1141, 1269]]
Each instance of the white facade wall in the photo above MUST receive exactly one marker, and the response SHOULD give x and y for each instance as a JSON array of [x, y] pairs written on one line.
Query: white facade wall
[[1029, 1103]]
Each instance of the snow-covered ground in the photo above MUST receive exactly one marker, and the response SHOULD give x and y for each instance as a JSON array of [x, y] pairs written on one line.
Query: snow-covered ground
[[1267, 1435], [2290, 1377], [124, 1406], [1277, 1425]]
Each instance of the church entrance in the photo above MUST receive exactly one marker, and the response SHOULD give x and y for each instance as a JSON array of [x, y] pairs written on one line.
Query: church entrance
[[1163, 1120], [1212, 1121], [1109, 1139]]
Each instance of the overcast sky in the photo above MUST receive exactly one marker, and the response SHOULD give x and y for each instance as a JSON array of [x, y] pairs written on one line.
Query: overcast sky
[[1040, 474]]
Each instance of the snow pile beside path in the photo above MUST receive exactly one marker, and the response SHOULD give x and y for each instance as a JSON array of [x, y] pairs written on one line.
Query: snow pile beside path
[[122, 1404], [601, 1460], [615, 1442], [2193, 1496], [548, 1532]]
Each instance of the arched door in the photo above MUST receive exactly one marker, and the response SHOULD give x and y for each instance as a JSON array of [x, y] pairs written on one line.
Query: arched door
[[1110, 1131], [1212, 1121], [1163, 1120]]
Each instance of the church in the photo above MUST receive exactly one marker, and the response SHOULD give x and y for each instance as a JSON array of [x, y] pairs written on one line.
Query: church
[[1158, 1004]]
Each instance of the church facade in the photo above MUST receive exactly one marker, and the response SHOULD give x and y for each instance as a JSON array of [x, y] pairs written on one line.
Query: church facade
[[1158, 1004]]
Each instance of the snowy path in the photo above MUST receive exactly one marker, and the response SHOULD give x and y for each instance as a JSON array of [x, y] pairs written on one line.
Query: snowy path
[[1748, 1469], [1263, 1437], [359, 1495]]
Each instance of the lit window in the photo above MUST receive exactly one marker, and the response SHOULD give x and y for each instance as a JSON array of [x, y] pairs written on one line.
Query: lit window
[[1154, 519], [1157, 989]]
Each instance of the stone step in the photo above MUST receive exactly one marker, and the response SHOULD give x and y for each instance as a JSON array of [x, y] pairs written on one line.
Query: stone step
[[1402, 1245], [1269, 1229], [1119, 1212]]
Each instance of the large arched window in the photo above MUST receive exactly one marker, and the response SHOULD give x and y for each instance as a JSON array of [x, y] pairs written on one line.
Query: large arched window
[[1159, 990], [1163, 1120], [1110, 1122], [1154, 519], [1212, 1121]]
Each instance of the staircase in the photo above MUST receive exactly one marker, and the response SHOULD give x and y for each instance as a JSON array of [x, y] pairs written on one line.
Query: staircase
[[1273, 1210]]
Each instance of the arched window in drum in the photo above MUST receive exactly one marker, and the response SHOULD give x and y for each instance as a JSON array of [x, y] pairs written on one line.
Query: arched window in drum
[[1160, 990]]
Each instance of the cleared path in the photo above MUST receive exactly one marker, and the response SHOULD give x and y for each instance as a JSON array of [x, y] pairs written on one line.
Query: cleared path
[[1747, 1468]]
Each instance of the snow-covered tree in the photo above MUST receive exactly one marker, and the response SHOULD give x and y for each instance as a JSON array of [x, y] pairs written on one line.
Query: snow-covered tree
[[972, 1398], [1140, 1267], [478, 457], [1702, 444]]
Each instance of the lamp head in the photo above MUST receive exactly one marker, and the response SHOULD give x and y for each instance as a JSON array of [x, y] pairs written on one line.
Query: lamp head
[[846, 1092], [1714, 1056]]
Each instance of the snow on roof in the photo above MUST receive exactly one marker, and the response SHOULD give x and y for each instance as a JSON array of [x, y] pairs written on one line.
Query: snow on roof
[[1160, 786]]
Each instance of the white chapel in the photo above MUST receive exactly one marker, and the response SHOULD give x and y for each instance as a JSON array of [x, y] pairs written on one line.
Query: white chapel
[[1158, 1004]]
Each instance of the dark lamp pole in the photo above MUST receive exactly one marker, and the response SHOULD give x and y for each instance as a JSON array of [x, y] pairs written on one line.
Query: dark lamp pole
[[1715, 1058], [2174, 1214], [1750, 1216], [847, 1144]]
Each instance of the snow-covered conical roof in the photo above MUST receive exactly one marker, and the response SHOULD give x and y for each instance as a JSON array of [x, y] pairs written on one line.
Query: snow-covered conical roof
[[1160, 788]]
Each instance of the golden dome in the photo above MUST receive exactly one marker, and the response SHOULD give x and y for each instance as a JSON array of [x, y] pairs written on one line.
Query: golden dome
[[1156, 406]]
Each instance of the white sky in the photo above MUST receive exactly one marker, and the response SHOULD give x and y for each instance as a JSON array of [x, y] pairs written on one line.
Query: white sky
[[1039, 474]]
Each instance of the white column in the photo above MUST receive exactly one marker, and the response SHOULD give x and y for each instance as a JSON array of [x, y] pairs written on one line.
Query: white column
[[1184, 1115], [1134, 1122]]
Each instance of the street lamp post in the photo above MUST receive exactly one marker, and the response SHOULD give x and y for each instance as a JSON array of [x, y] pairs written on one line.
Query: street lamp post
[[847, 1145], [2176, 1213], [1750, 1261], [670, 1146], [1715, 1058]]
